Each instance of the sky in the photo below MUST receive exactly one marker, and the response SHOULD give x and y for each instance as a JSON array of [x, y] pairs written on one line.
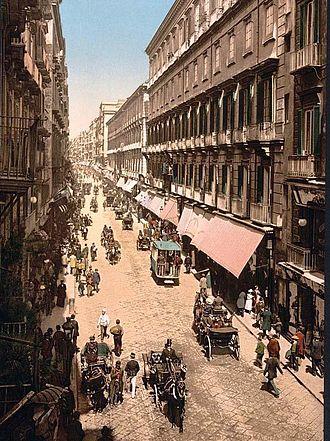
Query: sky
[[105, 44]]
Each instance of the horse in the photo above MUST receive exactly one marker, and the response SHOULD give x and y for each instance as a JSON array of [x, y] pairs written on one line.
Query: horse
[[95, 383], [175, 392]]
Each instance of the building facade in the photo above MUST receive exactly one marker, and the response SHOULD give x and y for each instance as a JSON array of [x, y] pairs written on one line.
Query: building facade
[[127, 136], [228, 98]]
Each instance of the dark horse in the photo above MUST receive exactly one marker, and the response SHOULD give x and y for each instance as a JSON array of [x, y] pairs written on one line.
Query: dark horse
[[175, 391], [94, 385]]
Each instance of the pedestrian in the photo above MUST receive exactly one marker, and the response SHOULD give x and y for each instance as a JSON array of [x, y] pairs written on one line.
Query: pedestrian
[[316, 355], [64, 260], [273, 347], [203, 284], [73, 264], [47, 347], [116, 384], [103, 323], [266, 316], [260, 351], [75, 326], [188, 263], [61, 294], [81, 288], [104, 204], [85, 251], [117, 331], [96, 280], [248, 301], [89, 283], [68, 405], [58, 339], [277, 325], [75, 431], [259, 309], [272, 366], [301, 344], [106, 434], [132, 368], [93, 251], [240, 303], [177, 264], [293, 353], [68, 328]]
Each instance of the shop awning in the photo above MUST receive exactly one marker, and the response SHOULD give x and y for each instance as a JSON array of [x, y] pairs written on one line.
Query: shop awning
[[156, 204], [120, 183], [130, 184], [140, 196], [229, 243], [147, 199], [203, 226], [193, 226], [170, 211], [184, 219]]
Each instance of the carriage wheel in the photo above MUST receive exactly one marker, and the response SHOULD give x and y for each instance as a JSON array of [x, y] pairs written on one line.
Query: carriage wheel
[[156, 395], [237, 348], [208, 347]]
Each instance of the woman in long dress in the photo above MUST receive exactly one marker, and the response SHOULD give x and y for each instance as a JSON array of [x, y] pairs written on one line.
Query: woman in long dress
[[248, 301]]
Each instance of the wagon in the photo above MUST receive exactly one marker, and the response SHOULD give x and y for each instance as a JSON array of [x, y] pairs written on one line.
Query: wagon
[[214, 333], [143, 243], [127, 223]]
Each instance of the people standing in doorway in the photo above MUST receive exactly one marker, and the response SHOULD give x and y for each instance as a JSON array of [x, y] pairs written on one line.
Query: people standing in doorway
[[132, 368], [103, 323]]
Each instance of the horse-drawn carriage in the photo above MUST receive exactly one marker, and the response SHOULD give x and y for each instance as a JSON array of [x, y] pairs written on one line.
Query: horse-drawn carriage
[[95, 369], [113, 252], [94, 205], [127, 222], [166, 377], [96, 190], [119, 213], [215, 329], [143, 243], [109, 199]]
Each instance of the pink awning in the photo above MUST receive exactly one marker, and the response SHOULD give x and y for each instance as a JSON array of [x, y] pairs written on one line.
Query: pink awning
[[146, 200], [156, 204], [193, 226], [229, 243], [170, 211], [202, 229], [184, 219]]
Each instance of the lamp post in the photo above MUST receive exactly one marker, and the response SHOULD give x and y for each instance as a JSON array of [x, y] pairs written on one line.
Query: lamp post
[[270, 273]]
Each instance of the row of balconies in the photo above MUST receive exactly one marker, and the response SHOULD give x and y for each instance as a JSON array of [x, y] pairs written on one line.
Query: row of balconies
[[305, 258], [238, 206]]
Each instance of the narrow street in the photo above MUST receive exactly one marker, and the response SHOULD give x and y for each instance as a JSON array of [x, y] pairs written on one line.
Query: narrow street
[[225, 400]]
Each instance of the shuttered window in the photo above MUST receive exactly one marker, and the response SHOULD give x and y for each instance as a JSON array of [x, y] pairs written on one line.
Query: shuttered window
[[308, 131], [260, 183], [240, 177], [224, 179]]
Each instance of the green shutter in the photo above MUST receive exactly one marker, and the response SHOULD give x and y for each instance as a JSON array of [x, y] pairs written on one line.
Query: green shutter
[[302, 26], [224, 112], [260, 102], [299, 132], [316, 130], [260, 183], [316, 21]]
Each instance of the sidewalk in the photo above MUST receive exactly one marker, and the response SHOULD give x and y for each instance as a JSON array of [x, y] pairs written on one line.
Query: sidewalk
[[315, 385]]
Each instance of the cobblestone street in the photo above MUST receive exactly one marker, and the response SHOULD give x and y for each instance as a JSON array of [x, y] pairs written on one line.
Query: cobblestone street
[[225, 400]]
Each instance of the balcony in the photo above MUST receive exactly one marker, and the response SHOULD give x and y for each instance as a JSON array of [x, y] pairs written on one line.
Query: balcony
[[303, 166], [13, 329], [239, 135], [308, 56], [239, 206], [260, 213], [266, 131], [42, 63], [223, 202], [18, 141], [224, 137], [301, 257]]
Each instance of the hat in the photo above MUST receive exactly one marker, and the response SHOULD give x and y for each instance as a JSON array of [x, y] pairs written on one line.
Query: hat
[[92, 337], [132, 355], [168, 342], [209, 301], [105, 430], [250, 290], [118, 363], [295, 337]]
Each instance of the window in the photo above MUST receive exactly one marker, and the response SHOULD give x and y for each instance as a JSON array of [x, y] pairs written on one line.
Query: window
[[286, 107], [210, 178], [248, 35], [187, 78], [175, 173], [217, 58], [228, 111], [265, 100], [287, 42], [244, 107], [309, 23], [231, 55], [263, 190], [205, 67], [190, 174], [172, 89], [309, 131], [179, 85], [269, 25], [224, 180], [195, 72]]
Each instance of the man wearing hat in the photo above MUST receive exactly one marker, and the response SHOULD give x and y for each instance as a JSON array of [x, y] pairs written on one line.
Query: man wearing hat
[[273, 347], [168, 352], [294, 353], [116, 384], [90, 350], [317, 354], [107, 434], [103, 323], [132, 368]]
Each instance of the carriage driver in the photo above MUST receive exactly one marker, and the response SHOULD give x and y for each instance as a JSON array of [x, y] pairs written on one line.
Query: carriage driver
[[168, 352], [90, 351]]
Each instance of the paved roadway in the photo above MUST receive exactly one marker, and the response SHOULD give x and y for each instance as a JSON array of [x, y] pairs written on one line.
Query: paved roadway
[[225, 400]]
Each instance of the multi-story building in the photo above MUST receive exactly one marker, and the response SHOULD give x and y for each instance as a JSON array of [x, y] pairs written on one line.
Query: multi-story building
[[301, 273], [127, 136], [107, 111], [235, 128]]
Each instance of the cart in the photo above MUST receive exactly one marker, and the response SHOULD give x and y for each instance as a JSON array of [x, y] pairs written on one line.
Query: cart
[[162, 256], [127, 223], [143, 243]]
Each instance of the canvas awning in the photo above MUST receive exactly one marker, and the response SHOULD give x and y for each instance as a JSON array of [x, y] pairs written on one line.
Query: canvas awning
[[203, 226], [147, 199], [130, 184], [170, 211], [140, 196], [120, 183], [229, 243], [193, 226], [184, 219], [156, 204]]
